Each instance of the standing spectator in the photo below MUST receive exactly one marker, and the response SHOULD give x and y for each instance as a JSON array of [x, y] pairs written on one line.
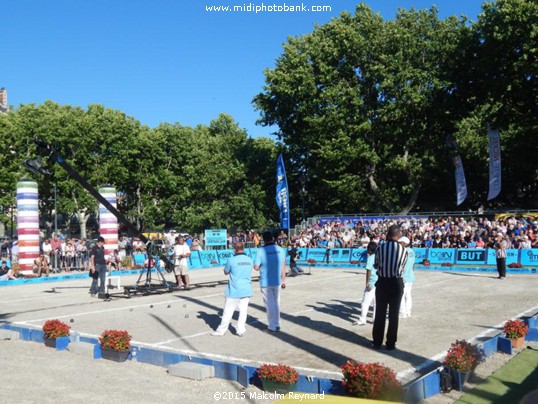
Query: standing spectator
[[271, 262], [390, 261], [500, 253], [4, 249], [98, 265], [122, 247], [371, 278], [408, 279], [56, 245], [238, 291], [181, 253]]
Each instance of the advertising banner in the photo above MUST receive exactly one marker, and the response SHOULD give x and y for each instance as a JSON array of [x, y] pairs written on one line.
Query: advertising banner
[[511, 256], [473, 256], [358, 254], [282, 193], [209, 257], [317, 254], [224, 255], [529, 257], [441, 255], [420, 254]]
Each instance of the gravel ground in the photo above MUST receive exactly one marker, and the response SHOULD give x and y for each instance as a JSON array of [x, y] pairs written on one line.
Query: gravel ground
[[33, 373]]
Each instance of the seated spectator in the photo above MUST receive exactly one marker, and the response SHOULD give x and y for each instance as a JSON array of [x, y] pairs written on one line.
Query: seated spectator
[[41, 263], [5, 272], [113, 261]]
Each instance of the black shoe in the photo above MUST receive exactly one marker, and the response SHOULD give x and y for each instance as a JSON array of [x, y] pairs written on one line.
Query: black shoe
[[376, 347], [391, 347], [277, 329]]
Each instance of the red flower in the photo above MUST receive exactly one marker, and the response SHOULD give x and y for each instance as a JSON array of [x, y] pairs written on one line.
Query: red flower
[[515, 329], [55, 329], [283, 374], [115, 340], [371, 380], [462, 356]]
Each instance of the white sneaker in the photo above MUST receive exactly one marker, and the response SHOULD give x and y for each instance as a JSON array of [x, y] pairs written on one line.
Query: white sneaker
[[217, 334], [359, 322]]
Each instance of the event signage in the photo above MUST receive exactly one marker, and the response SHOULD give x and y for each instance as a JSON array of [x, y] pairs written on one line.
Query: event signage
[[317, 254], [208, 257], [224, 255], [420, 254], [512, 256], [215, 238], [441, 255], [341, 254], [194, 259], [359, 254], [470, 256], [282, 194], [529, 257]]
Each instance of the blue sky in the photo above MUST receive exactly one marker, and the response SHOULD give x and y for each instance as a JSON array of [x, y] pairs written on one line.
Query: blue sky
[[162, 60]]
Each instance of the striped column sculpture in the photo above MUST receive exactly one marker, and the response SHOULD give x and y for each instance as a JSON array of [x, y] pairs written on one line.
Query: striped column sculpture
[[27, 225], [108, 224]]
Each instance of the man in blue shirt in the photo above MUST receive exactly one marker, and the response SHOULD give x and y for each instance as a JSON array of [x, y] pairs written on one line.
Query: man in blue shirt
[[238, 292], [271, 262], [371, 279]]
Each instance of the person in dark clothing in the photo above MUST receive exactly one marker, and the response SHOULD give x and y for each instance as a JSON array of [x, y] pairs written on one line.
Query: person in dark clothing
[[390, 260], [294, 255], [98, 265]]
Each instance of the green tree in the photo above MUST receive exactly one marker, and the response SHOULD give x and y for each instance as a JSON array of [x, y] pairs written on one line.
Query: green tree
[[363, 106]]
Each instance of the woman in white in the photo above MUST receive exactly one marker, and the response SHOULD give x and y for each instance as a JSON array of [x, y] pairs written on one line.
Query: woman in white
[[371, 278], [408, 278]]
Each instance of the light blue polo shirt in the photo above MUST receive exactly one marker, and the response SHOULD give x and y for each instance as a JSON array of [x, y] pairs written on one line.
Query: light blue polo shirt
[[239, 267], [408, 273], [270, 259], [373, 273]]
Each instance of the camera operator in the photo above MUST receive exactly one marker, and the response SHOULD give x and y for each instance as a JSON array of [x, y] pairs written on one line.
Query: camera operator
[[294, 256]]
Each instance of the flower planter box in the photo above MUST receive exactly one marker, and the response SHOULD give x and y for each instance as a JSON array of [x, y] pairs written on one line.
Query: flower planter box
[[517, 342], [59, 343], [116, 356], [271, 386], [459, 378]]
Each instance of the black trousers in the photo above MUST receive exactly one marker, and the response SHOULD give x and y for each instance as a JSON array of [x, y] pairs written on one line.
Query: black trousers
[[501, 266], [388, 293]]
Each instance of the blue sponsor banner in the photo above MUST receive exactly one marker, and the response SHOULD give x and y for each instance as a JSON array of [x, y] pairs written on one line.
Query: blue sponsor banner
[[282, 194], [208, 257], [356, 219], [529, 257], [441, 255], [317, 254], [215, 238], [512, 256], [195, 260], [358, 254], [224, 255], [420, 254], [475, 256], [341, 254]]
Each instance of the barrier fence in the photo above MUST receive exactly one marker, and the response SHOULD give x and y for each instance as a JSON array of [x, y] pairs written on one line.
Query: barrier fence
[[455, 256]]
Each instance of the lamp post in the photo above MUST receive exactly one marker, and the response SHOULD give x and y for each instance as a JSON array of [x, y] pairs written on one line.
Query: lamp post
[[55, 211], [302, 181]]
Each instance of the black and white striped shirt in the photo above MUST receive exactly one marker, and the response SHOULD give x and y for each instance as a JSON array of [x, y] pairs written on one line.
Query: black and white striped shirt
[[390, 260]]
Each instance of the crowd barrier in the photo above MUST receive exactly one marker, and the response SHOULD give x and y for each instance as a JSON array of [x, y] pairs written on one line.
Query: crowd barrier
[[454, 256]]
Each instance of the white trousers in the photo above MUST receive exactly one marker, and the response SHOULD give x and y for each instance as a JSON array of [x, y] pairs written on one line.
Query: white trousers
[[367, 299], [230, 305], [271, 299], [407, 302]]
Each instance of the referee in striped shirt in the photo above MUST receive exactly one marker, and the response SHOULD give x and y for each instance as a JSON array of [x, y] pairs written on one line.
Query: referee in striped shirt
[[390, 260]]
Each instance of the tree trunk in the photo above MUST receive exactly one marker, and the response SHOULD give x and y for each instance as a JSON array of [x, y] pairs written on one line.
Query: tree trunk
[[377, 192], [412, 200], [83, 216]]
